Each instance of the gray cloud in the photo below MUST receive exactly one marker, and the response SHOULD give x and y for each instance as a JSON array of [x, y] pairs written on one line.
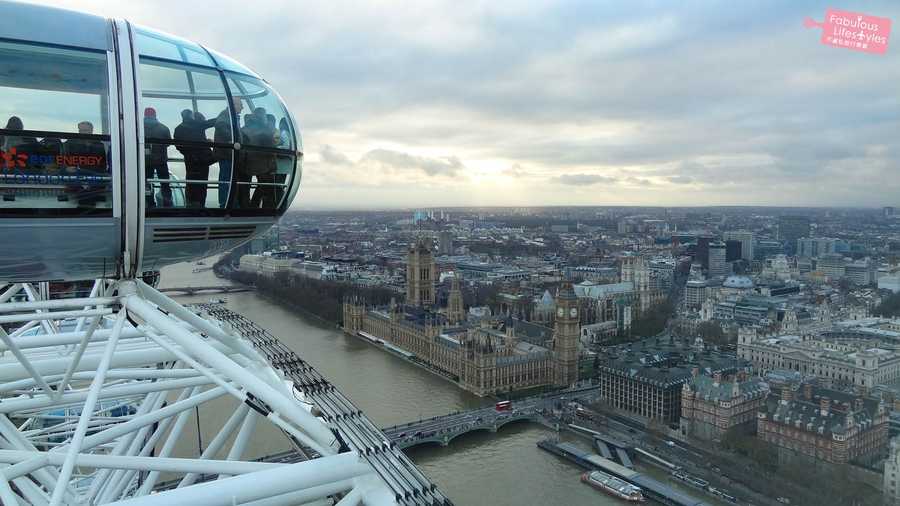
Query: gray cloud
[[516, 171], [396, 160], [583, 179], [639, 181], [333, 156], [680, 179]]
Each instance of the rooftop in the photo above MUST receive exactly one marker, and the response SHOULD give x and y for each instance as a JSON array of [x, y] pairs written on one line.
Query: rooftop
[[667, 364], [807, 414], [706, 388]]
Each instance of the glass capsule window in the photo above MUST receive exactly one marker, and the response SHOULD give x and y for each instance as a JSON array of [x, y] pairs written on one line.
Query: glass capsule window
[[226, 63], [266, 162], [208, 147], [54, 131], [159, 45], [188, 137]]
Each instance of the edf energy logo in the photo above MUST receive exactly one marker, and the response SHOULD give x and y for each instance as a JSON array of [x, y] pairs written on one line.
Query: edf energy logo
[[13, 159], [12, 163]]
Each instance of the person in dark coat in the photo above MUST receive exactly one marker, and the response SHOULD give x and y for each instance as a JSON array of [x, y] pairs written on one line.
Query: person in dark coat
[[261, 133], [223, 135], [156, 155], [197, 159], [7, 143]]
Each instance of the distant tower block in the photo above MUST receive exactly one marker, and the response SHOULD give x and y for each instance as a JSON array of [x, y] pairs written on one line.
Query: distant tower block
[[420, 274], [565, 335], [456, 312], [445, 242]]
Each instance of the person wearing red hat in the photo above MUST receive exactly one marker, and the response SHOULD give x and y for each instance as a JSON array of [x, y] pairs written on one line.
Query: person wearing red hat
[[158, 138]]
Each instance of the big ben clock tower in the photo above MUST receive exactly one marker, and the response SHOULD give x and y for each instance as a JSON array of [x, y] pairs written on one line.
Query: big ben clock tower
[[565, 336]]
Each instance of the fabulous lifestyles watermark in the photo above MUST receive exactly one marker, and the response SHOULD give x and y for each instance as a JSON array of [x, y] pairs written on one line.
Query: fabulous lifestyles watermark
[[853, 30]]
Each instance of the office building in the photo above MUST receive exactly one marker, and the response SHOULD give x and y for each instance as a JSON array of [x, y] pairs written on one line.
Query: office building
[[746, 240], [765, 248], [846, 356], [861, 272], [695, 293], [662, 273], [646, 378], [833, 266], [701, 252], [732, 250], [791, 228], [718, 267], [813, 247], [445, 242]]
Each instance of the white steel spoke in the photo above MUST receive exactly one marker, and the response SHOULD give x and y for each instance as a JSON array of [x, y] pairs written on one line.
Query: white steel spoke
[[86, 411], [103, 387], [240, 442], [79, 351], [26, 363], [6, 493], [167, 448], [216, 444], [34, 297]]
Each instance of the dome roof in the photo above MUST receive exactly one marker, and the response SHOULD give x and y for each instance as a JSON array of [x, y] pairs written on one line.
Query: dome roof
[[737, 282]]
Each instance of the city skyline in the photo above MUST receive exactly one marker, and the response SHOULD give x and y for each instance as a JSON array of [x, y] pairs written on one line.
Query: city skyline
[[565, 103]]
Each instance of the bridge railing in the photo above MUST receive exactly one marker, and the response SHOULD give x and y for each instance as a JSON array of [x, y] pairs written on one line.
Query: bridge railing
[[491, 409]]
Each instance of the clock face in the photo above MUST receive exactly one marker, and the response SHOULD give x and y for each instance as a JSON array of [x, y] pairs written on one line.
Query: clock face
[[573, 312], [560, 312]]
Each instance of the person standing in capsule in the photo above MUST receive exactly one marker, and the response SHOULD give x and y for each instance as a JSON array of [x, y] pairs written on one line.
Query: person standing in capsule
[[156, 157], [197, 158], [222, 135]]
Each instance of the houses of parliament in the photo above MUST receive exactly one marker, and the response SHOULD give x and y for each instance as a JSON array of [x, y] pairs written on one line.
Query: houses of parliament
[[487, 357]]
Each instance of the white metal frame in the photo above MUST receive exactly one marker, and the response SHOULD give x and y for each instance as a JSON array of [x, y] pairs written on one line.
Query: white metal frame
[[65, 364]]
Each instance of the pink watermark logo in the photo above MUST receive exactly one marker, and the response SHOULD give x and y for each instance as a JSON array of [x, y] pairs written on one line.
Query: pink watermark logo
[[853, 30]]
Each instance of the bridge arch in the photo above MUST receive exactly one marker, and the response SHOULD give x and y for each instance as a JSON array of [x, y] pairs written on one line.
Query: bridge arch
[[446, 438], [421, 442], [524, 418], [483, 428]]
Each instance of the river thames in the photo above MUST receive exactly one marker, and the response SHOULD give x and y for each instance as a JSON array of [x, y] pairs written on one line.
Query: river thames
[[500, 469]]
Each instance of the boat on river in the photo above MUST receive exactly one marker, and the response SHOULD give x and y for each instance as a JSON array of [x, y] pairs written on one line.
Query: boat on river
[[613, 486]]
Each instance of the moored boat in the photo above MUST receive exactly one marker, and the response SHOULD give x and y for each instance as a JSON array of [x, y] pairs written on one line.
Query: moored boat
[[613, 486]]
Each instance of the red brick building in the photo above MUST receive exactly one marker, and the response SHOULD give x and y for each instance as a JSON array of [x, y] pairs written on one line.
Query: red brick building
[[711, 406], [823, 424]]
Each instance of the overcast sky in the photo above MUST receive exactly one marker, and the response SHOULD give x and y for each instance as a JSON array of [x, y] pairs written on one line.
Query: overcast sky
[[419, 103]]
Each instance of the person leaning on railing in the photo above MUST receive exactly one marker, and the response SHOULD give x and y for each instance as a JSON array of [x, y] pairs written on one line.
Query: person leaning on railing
[[197, 159]]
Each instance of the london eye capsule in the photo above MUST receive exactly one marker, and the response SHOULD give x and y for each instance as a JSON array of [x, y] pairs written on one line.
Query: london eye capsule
[[123, 149]]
